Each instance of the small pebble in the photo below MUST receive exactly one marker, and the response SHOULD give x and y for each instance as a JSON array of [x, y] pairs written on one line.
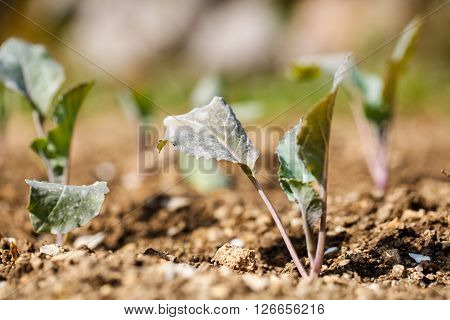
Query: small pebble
[[419, 257], [397, 271], [177, 203], [51, 249], [343, 263], [391, 256]]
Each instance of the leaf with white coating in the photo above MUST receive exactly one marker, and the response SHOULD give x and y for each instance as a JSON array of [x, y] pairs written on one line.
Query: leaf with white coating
[[58, 209], [211, 132], [29, 70]]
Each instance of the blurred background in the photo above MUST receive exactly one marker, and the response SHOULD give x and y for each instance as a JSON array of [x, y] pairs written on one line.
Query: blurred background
[[164, 47]]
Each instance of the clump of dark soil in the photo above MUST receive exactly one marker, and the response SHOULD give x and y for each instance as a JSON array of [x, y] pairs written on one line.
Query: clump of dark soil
[[162, 240]]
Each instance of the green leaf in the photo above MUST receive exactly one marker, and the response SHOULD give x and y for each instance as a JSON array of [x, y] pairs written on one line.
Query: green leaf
[[295, 180], [313, 138], [371, 87], [136, 106], [58, 209], [29, 70], [211, 132], [55, 148], [303, 154], [400, 56]]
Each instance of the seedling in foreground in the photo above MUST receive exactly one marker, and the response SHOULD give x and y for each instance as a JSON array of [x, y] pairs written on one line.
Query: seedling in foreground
[[377, 96], [214, 132], [303, 172], [54, 207]]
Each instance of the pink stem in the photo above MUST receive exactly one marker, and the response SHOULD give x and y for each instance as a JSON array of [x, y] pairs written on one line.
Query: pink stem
[[279, 224]]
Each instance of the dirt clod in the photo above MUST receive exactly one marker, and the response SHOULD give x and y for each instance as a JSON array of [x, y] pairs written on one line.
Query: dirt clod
[[235, 258]]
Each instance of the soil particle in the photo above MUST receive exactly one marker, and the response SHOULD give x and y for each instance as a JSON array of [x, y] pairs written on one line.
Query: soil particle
[[235, 258]]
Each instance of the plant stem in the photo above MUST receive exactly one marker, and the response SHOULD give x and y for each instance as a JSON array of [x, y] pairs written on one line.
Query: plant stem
[[39, 125], [59, 239], [278, 223], [317, 266], [309, 236], [374, 147]]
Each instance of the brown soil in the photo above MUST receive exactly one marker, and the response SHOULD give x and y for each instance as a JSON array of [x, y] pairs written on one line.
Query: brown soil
[[162, 251]]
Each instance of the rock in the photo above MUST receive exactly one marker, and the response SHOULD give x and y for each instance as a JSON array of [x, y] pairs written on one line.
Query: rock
[[419, 257], [177, 203], [90, 241], [343, 263], [397, 271], [235, 258], [391, 256], [331, 251], [51, 249]]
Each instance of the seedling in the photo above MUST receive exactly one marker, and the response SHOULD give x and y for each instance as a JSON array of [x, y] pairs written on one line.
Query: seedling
[[376, 96], [214, 132], [54, 206], [303, 171]]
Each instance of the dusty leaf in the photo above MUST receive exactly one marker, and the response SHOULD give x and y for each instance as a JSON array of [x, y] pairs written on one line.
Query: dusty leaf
[[303, 153], [295, 179], [54, 148], [58, 208], [211, 132], [314, 135], [29, 70]]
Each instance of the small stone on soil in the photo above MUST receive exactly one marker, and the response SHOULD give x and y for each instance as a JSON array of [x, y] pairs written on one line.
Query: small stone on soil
[[391, 256], [397, 271], [51, 249], [419, 257]]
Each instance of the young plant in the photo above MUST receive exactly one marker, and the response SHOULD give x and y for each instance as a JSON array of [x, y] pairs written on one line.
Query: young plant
[[303, 171], [374, 110], [214, 132], [54, 206]]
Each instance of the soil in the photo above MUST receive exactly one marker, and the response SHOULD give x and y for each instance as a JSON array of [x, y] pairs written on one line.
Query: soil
[[162, 239]]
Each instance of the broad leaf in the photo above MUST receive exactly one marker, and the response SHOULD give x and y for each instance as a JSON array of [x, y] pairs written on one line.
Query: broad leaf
[[303, 154], [295, 180], [314, 135], [29, 70], [55, 148], [58, 209], [211, 132]]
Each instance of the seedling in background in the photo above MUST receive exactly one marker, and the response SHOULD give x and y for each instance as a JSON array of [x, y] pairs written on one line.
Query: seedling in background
[[303, 171], [373, 98], [214, 132], [54, 206]]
